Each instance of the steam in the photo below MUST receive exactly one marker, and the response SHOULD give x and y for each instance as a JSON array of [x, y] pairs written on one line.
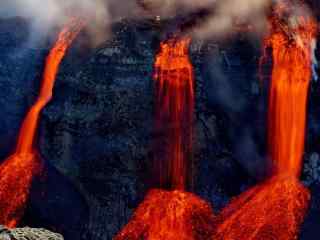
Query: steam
[[291, 16], [110, 10], [228, 13], [223, 15]]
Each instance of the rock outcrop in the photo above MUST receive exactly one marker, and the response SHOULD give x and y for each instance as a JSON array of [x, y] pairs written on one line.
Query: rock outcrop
[[28, 234]]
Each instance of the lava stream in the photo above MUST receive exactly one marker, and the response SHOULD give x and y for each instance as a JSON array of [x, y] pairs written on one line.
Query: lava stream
[[291, 75], [174, 114], [18, 170], [172, 214], [275, 209]]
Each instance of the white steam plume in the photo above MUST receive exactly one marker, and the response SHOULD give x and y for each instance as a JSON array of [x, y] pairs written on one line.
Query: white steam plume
[[48, 12], [101, 13], [229, 12]]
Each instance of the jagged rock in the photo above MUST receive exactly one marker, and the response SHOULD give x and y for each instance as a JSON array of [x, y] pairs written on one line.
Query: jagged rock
[[28, 233]]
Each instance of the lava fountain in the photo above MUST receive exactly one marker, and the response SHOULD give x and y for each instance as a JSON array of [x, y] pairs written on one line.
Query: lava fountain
[[18, 170], [276, 208], [174, 108], [173, 214]]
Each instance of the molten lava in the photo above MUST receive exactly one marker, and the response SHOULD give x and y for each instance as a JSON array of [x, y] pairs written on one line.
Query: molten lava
[[18, 171], [272, 210], [174, 114], [176, 214], [170, 215], [291, 75], [275, 209]]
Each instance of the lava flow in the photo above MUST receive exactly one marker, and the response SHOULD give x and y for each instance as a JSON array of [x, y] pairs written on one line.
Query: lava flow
[[276, 208], [18, 171], [172, 214], [174, 114], [291, 75]]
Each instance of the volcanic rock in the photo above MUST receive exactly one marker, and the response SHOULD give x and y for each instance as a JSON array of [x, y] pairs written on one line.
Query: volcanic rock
[[28, 234]]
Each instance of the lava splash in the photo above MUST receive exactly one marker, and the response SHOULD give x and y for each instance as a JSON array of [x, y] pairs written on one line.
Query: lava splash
[[170, 215], [174, 110], [18, 170], [275, 209]]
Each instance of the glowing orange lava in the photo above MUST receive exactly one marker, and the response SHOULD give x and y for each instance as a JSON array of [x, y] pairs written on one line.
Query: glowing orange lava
[[18, 171], [291, 77], [272, 210], [275, 209], [174, 114], [170, 216], [176, 214]]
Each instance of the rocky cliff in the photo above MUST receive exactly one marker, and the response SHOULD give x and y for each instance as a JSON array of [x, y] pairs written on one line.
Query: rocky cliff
[[95, 135]]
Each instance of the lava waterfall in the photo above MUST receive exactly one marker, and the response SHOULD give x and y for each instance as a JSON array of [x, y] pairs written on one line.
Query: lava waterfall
[[275, 209], [174, 214], [174, 108], [18, 170]]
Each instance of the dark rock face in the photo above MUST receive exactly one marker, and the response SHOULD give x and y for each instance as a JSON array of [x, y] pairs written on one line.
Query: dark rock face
[[55, 203], [14, 33], [95, 135], [20, 68], [101, 127]]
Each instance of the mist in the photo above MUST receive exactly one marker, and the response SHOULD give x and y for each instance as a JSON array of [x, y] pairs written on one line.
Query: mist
[[107, 11], [222, 17]]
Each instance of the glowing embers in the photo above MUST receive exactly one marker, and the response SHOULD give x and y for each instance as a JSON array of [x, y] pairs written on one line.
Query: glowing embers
[[174, 100], [18, 171], [170, 216], [272, 210]]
